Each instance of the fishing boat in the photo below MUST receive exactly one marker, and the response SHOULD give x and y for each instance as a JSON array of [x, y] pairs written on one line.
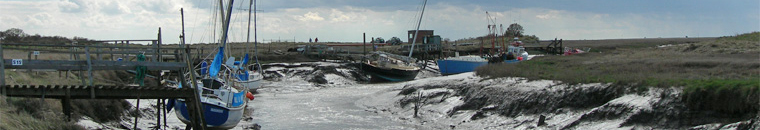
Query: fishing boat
[[222, 93], [460, 64], [384, 66], [515, 53]]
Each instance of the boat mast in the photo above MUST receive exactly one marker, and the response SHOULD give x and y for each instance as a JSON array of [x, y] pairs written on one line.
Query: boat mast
[[248, 35], [226, 26], [418, 29], [255, 38]]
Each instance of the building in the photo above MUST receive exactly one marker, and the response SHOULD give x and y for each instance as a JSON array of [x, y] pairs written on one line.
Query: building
[[422, 34]]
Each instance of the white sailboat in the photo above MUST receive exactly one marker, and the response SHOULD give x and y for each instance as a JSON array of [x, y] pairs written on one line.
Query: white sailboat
[[222, 93], [251, 76], [384, 66]]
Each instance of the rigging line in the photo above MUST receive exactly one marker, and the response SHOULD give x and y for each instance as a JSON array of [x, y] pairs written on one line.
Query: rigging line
[[240, 24], [215, 14], [210, 25], [195, 20], [412, 22]]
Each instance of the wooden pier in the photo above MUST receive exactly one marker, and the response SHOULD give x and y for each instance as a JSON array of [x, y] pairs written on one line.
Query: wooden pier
[[95, 60]]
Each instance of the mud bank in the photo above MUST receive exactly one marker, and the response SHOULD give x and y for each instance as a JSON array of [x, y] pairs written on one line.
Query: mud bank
[[466, 101], [295, 77]]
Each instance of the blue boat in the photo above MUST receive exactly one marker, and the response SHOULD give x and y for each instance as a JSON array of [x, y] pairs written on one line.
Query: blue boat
[[223, 91], [460, 64], [223, 98], [222, 107]]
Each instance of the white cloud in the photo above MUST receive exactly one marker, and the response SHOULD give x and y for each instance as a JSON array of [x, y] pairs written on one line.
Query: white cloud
[[139, 19], [310, 16]]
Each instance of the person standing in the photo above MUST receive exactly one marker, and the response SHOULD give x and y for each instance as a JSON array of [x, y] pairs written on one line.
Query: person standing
[[316, 39], [309, 40]]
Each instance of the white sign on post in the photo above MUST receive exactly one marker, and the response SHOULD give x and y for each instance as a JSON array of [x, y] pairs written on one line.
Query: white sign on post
[[17, 62], [36, 53]]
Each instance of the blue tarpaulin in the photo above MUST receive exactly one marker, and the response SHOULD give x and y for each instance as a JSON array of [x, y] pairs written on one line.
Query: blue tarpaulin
[[216, 65], [245, 60]]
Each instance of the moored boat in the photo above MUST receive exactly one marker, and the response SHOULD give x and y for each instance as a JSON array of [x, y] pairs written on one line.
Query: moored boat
[[222, 107], [221, 93], [223, 99], [460, 64], [249, 76], [515, 53], [390, 67]]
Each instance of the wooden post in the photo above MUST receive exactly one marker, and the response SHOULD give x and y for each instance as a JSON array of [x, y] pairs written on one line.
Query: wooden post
[[164, 103], [89, 63], [2, 72], [66, 104], [137, 107], [158, 118], [81, 73], [92, 92], [35, 58], [155, 50], [176, 55], [124, 56], [29, 57], [193, 104], [158, 47], [111, 50], [97, 53], [71, 51]]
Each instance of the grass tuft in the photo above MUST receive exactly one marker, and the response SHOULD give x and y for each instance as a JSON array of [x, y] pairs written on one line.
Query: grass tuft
[[14, 118]]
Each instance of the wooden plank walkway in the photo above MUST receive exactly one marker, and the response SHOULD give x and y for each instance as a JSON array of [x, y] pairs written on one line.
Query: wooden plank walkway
[[63, 65], [90, 63]]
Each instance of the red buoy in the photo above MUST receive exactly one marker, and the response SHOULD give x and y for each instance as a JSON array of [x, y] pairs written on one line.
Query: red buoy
[[249, 95]]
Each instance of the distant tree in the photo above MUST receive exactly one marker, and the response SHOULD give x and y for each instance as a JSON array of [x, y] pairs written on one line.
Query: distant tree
[[13, 35], [529, 39], [514, 30]]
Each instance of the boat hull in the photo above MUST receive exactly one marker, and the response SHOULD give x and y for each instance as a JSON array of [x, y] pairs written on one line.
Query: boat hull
[[250, 84], [215, 116], [448, 67], [389, 74]]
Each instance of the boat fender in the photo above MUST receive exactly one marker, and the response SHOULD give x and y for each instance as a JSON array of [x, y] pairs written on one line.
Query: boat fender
[[249, 95]]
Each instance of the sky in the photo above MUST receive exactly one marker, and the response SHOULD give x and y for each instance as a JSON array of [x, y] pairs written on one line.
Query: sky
[[346, 20]]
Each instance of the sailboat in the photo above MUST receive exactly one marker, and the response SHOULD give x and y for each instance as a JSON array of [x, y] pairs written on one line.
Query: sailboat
[[221, 95], [251, 75], [384, 66]]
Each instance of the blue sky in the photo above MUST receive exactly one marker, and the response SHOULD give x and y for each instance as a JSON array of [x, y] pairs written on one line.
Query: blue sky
[[346, 20]]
